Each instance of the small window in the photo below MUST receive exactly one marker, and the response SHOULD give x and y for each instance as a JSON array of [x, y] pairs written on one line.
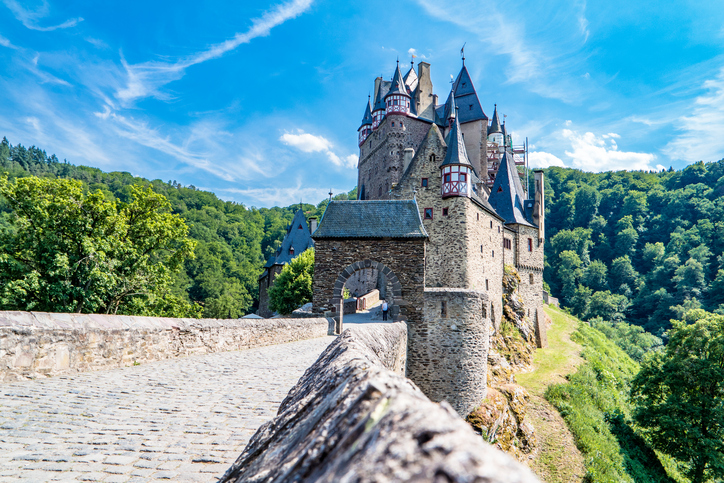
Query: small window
[[291, 250], [500, 189], [493, 253], [402, 124], [428, 213], [443, 309], [393, 125], [478, 216], [481, 248], [530, 247], [506, 243], [444, 212], [487, 285], [532, 279], [471, 107], [491, 223], [463, 177], [498, 228], [300, 227], [447, 178], [424, 182]]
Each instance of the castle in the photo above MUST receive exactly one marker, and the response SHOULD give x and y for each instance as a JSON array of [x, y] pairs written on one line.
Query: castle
[[441, 210]]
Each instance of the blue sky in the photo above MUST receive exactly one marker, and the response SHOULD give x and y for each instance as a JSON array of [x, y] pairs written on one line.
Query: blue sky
[[260, 101]]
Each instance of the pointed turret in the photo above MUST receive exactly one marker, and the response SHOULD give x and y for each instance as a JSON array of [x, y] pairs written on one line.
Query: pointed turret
[[378, 110], [507, 195], [366, 127], [397, 99], [456, 169], [450, 110]]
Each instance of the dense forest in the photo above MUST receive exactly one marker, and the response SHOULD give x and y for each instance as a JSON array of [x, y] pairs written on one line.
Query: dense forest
[[232, 240], [642, 247]]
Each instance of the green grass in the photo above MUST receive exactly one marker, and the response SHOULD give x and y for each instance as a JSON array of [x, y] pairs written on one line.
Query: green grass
[[594, 404]]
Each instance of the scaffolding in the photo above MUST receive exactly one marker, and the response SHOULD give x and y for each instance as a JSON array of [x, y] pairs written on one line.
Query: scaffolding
[[520, 157]]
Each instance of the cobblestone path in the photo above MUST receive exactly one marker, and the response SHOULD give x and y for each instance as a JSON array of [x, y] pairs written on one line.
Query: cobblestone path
[[180, 420]]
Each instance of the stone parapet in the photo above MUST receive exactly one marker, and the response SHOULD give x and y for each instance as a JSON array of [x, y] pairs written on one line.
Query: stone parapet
[[353, 417], [39, 344]]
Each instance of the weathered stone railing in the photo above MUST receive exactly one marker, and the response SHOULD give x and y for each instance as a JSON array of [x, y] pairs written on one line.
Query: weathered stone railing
[[354, 417], [39, 344]]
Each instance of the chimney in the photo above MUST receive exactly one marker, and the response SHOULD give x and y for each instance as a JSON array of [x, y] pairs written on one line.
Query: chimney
[[407, 156], [312, 224], [539, 207], [424, 92]]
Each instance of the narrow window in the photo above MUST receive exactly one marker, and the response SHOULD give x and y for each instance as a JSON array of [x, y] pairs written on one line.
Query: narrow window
[[447, 178], [432, 158], [485, 311], [443, 309], [424, 182], [478, 216], [428, 214], [493, 253], [393, 125], [291, 250], [498, 228], [530, 244], [487, 286], [491, 223], [532, 279], [481, 248], [471, 107], [444, 212]]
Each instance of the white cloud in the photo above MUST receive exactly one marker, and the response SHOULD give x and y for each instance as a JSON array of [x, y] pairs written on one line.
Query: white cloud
[[306, 142], [146, 79], [309, 143], [6, 43], [593, 153], [283, 196], [29, 18], [541, 159], [700, 132]]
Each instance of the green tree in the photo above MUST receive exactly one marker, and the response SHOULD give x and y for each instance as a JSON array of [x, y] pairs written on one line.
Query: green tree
[[595, 275], [71, 251], [292, 288], [680, 395]]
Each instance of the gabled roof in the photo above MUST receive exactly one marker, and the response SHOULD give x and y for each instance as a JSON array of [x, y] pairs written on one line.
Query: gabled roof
[[371, 219], [456, 152], [507, 195], [495, 127], [467, 99], [297, 236], [398, 85], [381, 93], [367, 119], [410, 78]]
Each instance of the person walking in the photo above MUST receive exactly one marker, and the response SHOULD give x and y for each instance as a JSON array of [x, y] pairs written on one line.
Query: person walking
[[385, 308]]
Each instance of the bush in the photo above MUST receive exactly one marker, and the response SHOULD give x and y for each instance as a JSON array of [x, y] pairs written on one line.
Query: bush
[[293, 286]]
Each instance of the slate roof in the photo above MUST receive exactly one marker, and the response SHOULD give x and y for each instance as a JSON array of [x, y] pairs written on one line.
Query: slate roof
[[467, 99], [381, 93], [371, 219], [367, 119], [450, 107], [410, 78], [297, 236], [507, 195], [495, 126], [456, 152], [398, 85]]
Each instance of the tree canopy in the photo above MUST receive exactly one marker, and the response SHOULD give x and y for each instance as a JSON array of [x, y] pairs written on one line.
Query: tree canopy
[[67, 250], [680, 395], [292, 288]]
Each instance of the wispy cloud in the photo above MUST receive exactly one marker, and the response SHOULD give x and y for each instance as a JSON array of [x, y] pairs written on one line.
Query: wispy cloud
[[283, 196], [6, 43], [700, 131], [30, 18], [309, 143], [146, 79]]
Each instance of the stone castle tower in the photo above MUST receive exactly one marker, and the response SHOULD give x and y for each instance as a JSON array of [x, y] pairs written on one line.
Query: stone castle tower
[[441, 211]]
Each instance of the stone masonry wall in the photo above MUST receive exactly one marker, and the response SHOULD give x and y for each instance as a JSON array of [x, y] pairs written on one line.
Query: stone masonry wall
[[448, 352], [352, 417], [403, 257], [38, 344], [530, 263]]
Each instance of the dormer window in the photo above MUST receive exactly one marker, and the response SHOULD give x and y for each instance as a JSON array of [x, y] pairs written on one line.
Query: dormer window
[[291, 250]]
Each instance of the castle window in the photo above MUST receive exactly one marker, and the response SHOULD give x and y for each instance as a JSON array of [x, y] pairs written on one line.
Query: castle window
[[530, 244], [300, 227], [463, 177], [402, 124], [481, 248], [428, 214], [487, 285], [506, 243], [291, 250], [478, 216], [532, 279], [393, 123], [443, 309], [471, 107], [498, 228], [493, 253], [485, 311], [447, 178], [432, 158], [424, 182], [444, 212]]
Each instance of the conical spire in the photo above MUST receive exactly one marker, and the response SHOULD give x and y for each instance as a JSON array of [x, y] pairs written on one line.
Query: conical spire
[[450, 108], [367, 119], [495, 126], [456, 152], [507, 195], [398, 84]]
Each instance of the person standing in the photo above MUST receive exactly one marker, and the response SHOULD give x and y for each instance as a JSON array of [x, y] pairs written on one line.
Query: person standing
[[385, 308]]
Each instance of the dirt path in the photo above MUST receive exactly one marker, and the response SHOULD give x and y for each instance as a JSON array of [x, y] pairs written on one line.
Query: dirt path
[[557, 459]]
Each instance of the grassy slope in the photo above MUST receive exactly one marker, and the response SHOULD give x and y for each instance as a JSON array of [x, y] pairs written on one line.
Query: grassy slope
[[593, 401], [557, 460]]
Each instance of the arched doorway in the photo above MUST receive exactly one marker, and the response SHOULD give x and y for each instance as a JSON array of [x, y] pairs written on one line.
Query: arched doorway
[[385, 281]]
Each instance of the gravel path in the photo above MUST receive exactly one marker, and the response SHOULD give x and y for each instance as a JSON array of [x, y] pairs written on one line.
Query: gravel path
[[180, 420]]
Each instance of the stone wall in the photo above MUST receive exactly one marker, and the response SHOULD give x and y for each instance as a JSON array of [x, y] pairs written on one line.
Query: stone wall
[[404, 258], [448, 352], [352, 417], [39, 344]]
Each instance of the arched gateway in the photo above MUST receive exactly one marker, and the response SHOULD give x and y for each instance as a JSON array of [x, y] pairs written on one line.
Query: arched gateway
[[385, 236]]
